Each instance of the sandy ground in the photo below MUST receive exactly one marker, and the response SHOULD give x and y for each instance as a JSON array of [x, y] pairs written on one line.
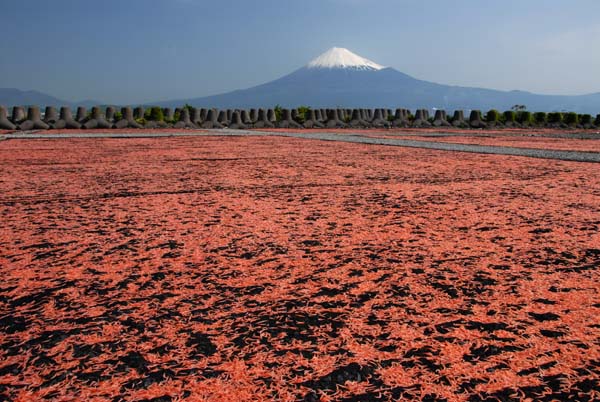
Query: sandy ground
[[272, 268]]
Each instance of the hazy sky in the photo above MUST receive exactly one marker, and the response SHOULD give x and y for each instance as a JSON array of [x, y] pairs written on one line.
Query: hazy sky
[[128, 51]]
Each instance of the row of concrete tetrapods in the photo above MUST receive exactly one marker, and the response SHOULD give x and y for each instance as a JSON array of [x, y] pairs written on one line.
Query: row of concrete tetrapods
[[231, 118]]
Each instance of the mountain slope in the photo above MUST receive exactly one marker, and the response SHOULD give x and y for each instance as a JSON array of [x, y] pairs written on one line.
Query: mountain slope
[[12, 97], [341, 78]]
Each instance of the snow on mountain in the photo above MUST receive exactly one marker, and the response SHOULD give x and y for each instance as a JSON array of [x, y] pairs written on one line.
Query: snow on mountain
[[338, 57]]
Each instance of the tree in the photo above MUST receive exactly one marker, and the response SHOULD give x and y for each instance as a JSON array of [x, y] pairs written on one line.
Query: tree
[[571, 119], [510, 116], [555, 117], [278, 112], [154, 114], [492, 116], [540, 118]]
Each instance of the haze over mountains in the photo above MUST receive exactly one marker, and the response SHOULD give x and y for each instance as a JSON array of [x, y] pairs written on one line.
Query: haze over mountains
[[340, 78], [13, 97]]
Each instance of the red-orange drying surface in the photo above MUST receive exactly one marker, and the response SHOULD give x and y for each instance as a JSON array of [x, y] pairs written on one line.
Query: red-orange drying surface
[[266, 268]]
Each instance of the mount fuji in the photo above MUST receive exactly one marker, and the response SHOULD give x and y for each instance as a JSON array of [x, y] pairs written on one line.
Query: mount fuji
[[340, 78]]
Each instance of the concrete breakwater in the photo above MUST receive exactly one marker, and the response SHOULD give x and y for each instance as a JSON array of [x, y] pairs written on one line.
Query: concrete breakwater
[[22, 119]]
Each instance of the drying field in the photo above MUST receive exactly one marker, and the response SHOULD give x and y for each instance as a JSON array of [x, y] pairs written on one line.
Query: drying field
[[268, 268]]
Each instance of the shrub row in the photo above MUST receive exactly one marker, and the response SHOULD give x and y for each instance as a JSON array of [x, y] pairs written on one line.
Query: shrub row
[[541, 118]]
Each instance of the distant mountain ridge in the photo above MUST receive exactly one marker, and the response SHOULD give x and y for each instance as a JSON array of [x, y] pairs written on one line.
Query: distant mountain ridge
[[340, 78], [15, 97]]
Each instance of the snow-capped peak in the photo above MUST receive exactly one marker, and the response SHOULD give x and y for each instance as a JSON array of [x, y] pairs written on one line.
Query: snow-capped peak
[[338, 57]]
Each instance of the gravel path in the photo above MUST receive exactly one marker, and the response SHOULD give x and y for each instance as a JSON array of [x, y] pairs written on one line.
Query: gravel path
[[576, 156], [479, 134]]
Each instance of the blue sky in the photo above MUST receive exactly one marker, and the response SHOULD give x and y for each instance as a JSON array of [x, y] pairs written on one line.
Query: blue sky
[[129, 51]]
